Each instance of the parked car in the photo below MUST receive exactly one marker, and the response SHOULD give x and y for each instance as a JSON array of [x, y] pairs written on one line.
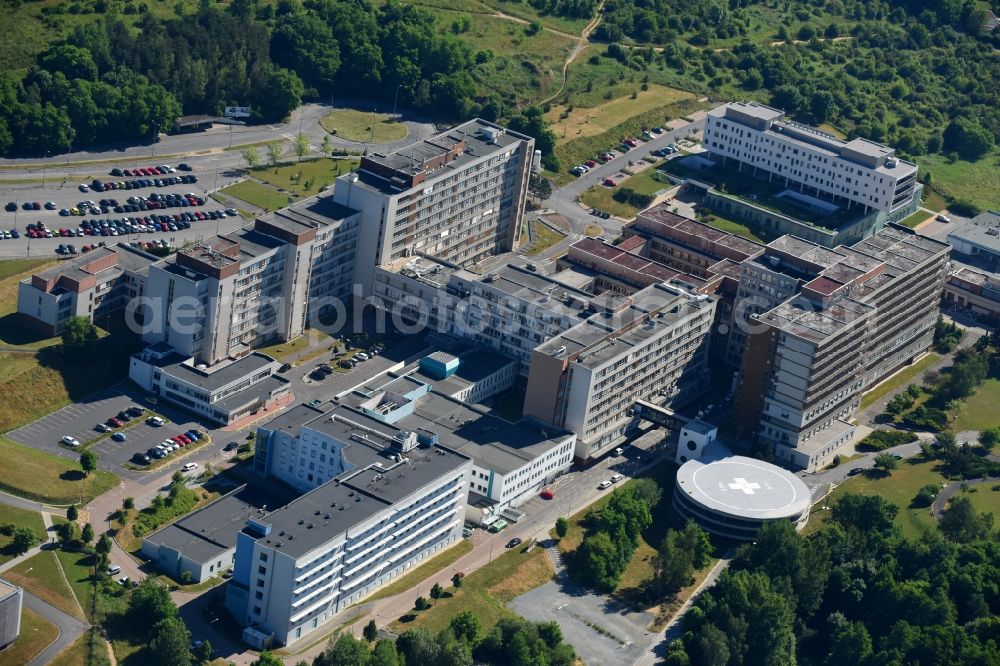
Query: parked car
[[155, 421], [231, 446], [141, 458], [114, 570], [514, 543], [285, 367], [547, 494], [69, 440], [615, 478], [119, 437], [102, 427], [855, 471], [603, 484], [190, 467], [317, 374], [114, 423], [942, 218]]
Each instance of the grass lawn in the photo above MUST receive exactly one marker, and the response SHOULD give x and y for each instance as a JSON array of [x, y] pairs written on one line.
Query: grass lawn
[[731, 226], [975, 182], [283, 350], [18, 518], [933, 200], [985, 497], [583, 121], [77, 653], [915, 219], [900, 488], [261, 195], [524, 10], [602, 198], [36, 634], [12, 332], [45, 477], [307, 177], [78, 568], [127, 538], [363, 126], [485, 591], [439, 562], [980, 409], [901, 379], [42, 576], [545, 237]]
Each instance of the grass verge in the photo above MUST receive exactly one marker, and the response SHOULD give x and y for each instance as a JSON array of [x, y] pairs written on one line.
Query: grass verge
[[545, 237], [36, 634], [362, 126], [308, 177], [913, 220], [591, 121], [42, 576], [978, 411], [149, 519], [261, 195], [78, 652], [45, 477], [437, 563], [18, 518], [485, 591], [975, 182], [901, 379]]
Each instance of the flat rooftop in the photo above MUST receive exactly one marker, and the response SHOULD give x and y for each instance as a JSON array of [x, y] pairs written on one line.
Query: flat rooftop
[[314, 212], [211, 530], [816, 325], [480, 138], [78, 268], [328, 511], [744, 488], [660, 215], [607, 335], [213, 377], [983, 231]]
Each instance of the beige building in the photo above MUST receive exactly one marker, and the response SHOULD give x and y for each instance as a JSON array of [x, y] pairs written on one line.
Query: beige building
[[94, 285], [652, 346], [458, 196]]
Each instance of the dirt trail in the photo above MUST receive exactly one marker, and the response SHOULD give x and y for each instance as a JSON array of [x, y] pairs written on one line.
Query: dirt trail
[[581, 43]]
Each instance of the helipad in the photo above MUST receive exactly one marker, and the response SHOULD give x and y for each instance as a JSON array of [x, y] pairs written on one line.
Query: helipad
[[734, 495]]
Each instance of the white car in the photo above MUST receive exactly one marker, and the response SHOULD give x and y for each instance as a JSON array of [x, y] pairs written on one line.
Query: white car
[[943, 218], [615, 478], [70, 440], [190, 467], [155, 421], [361, 356], [603, 484]]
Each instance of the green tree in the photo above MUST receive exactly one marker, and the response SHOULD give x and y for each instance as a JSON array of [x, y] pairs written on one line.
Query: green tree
[[598, 563], [103, 546], [540, 187], [128, 503], [203, 653], [871, 514], [88, 461], [22, 540], [436, 591], [267, 658], [326, 145], [962, 523], [169, 643], [850, 642], [421, 604], [989, 438], [280, 94], [562, 527], [370, 631], [72, 513], [886, 463], [456, 580], [349, 651], [87, 535], [385, 654], [925, 496], [418, 646], [301, 145], [466, 627], [697, 542], [79, 333], [672, 566], [968, 138], [150, 603], [275, 149], [251, 156]]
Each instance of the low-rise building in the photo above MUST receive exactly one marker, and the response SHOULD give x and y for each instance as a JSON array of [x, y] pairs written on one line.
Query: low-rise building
[[974, 290], [95, 285], [979, 241], [224, 393], [11, 599]]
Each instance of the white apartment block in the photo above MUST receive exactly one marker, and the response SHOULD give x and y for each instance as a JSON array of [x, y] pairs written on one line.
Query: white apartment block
[[297, 567], [858, 171], [651, 346], [458, 196], [228, 294], [94, 285]]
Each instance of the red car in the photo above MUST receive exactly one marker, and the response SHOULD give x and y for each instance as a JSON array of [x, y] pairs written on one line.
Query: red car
[[114, 423], [547, 494], [591, 163], [184, 438], [610, 182]]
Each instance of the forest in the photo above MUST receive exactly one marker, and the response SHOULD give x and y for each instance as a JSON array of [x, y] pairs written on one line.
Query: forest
[[856, 592]]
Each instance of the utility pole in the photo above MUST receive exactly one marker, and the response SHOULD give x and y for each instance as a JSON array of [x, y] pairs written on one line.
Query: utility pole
[[44, 166], [156, 133], [395, 98]]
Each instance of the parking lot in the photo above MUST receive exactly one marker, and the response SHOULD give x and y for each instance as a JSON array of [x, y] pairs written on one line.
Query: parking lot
[[603, 631], [80, 419], [127, 218]]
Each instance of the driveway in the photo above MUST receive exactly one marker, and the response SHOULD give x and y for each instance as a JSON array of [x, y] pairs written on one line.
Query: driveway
[[69, 627]]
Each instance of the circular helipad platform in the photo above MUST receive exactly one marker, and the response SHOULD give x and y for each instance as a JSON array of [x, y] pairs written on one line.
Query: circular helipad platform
[[735, 495]]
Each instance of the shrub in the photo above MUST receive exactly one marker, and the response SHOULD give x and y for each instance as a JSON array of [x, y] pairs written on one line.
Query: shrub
[[879, 440], [925, 496]]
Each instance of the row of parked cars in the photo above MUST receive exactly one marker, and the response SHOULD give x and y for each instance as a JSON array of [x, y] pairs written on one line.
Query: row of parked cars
[[136, 204], [159, 170], [104, 186], [168, 446], [117, 421]]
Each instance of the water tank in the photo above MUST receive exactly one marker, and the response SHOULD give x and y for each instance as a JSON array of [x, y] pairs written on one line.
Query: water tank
[[536, 161]]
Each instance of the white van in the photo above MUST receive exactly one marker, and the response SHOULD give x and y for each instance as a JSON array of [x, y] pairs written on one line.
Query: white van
[[188, 467], [114, 570]]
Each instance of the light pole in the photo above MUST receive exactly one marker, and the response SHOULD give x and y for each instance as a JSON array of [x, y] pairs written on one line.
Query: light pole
[[230, 137], [44, 166], [395, 98], [156, 133]]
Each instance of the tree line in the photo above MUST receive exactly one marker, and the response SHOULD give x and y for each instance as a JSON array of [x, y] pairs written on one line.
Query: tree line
[[856, 592], [107, 83]]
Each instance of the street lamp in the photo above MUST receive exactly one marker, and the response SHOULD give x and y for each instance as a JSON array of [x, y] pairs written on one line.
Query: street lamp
[[156, 133], [44, 166], [395, 98]]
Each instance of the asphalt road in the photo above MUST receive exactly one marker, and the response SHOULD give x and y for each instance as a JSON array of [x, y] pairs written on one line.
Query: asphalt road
[[69, 627], [563, 199]]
